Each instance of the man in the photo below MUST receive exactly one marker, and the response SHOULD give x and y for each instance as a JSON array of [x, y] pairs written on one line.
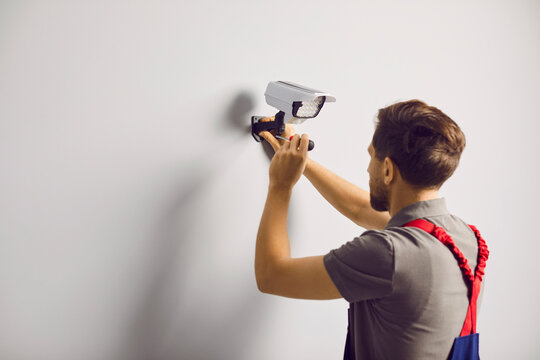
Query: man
[[408, 298]]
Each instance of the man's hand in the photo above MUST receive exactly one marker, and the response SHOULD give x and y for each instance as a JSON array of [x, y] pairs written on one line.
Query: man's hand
[[269, 136], [289, 162]]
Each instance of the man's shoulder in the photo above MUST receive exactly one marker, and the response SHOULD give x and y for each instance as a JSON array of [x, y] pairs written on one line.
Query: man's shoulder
[[370, 237], [449, 222], [406, 239], [375, 238], [372, 246]]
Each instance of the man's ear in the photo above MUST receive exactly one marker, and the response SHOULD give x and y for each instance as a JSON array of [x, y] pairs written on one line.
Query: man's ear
[[389, 171]]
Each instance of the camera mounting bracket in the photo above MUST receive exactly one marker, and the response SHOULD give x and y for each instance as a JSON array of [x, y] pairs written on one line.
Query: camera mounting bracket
[[257, 125]]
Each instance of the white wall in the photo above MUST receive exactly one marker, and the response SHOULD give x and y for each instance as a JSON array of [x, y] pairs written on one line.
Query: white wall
[[131, 189]]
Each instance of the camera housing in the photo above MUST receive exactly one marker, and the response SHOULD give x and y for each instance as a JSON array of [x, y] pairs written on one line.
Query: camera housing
[[297, 102]]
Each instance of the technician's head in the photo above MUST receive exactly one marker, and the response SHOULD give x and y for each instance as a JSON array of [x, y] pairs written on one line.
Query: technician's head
[[415, 144]]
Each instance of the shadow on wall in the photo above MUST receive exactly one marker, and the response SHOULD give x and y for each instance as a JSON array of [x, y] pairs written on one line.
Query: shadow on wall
[[239, 119], [239, 114], [165, 311]]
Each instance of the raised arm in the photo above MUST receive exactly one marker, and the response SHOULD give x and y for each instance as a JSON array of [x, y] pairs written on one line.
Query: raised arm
[[349, 199]]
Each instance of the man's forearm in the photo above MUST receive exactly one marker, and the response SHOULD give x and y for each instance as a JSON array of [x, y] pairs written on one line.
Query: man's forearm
[[272, 238], [347, 198]]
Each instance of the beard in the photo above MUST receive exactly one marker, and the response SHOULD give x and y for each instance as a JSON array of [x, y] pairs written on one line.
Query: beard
[[378, 196]]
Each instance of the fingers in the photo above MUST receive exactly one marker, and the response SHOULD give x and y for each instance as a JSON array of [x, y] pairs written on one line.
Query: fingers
[[286, 145], [266, 119], [271, 140], [300, 143], [289, 131], [266, 135], [304, 144], [295, 142]]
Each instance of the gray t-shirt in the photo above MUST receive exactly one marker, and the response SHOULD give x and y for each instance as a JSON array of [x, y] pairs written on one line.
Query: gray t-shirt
[[407, 294]]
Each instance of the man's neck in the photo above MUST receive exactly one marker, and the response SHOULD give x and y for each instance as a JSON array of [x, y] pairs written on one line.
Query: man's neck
[[404, 195]]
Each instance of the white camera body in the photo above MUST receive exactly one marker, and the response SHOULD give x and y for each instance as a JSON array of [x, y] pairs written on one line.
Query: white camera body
[[296, 101]]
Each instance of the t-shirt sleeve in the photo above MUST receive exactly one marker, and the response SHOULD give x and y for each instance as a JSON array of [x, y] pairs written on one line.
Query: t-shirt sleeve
[[362, 268]]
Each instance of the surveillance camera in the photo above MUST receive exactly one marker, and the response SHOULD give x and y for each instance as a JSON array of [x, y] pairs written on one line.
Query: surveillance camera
[[296, 101]]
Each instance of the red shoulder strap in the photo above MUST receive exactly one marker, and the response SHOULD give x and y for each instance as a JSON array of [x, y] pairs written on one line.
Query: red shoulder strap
[[474, 281]]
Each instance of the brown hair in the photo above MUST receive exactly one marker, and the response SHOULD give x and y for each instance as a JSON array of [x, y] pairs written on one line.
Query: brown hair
[[421, 140]]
